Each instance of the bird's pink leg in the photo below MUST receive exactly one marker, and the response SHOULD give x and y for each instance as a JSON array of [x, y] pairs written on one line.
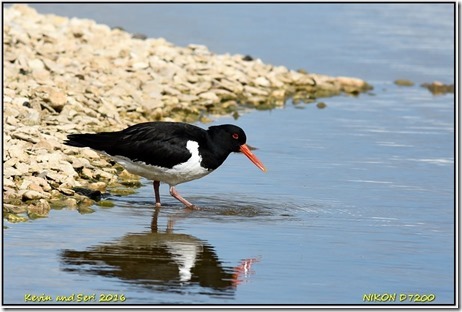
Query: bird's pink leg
[[175, 194], [156, 192]]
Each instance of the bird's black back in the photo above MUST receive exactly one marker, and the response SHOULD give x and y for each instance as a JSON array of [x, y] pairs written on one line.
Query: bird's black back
[[154, 143]]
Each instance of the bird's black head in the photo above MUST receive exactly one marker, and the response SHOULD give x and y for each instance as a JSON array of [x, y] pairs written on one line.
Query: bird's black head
[[229, 137]]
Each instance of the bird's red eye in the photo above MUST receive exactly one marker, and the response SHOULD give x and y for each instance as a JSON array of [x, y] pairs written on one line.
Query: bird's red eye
[[235, 136]]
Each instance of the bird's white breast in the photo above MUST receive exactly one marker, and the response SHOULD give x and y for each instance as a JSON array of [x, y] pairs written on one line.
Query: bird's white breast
[[183, 172]]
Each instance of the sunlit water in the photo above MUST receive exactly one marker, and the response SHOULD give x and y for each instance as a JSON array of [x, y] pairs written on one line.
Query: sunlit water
[[358, 198]]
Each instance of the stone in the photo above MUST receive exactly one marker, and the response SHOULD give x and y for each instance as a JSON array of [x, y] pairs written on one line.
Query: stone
[[57, 99], [57, 177], [66, 191], [10, 193], [36, 64], [251, 91], [140, 65], [11, 172], [29, 195], [13, 218], [28, 185], [212, 97], [349, 81], [102, 163], [437, 87], [69, 182], [54, 158], [41, 182], [22, 168], [8, 183], [126, 175], [39, 209], [278, 93], [67, 169], [44, 144], [100, 174], [262, 82], [98, 186], [14, 208], [79, 162], [86, 173], [25, 137], [88, 153], [404, 82], [34, 167], [71, 202]]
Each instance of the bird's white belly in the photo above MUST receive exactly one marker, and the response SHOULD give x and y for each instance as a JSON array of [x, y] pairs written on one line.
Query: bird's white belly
[[184, 172]]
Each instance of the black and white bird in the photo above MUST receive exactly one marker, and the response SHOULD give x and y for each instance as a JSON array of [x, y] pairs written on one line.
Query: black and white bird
[[169, 152]]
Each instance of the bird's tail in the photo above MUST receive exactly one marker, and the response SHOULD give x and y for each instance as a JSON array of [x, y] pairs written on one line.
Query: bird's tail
[[97, 141]]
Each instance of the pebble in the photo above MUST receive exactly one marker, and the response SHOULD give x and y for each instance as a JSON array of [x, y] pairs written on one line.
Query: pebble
[[29, 194], [10, 172], [404, 82], [56, 177], [39, 209], [22, 168], [25, 137], [98, 186], [262, 81], [71, 202], [437, 87], [86, 173], [8, 183], [55, 84], [44, 144], [66, 191], [14, 208], [41, 182], [88, 153]]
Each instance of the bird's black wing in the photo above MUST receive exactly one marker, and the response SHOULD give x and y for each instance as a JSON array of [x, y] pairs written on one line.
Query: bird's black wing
[[155, 143]]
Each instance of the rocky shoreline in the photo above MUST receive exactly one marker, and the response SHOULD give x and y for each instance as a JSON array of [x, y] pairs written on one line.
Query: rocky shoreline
[[73, 75]]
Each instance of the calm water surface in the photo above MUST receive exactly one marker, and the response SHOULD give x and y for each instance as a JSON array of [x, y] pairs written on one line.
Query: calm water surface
[[358, 198]]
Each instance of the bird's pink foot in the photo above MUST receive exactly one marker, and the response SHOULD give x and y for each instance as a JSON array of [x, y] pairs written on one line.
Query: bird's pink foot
[[175, 194]]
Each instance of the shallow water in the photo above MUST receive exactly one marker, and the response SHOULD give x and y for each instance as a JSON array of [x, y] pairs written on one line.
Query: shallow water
[[358, 198]]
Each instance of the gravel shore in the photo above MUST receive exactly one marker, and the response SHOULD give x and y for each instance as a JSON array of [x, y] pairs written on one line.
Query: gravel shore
[[65, 76]]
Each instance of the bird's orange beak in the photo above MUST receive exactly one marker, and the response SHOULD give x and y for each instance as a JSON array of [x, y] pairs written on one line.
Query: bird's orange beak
[[246, 151]]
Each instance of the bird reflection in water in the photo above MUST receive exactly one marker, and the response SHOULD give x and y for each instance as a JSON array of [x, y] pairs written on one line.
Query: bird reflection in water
[[164, 261]]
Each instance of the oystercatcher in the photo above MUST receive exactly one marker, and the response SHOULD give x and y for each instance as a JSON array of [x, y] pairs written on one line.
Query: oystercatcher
[[169, 152]]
